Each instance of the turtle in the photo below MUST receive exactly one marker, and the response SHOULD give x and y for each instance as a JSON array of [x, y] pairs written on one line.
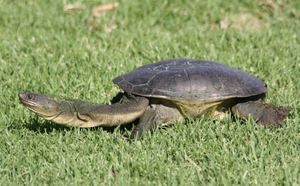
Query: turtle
[[164, 93]]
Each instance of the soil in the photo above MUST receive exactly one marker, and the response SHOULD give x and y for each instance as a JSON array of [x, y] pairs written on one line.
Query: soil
[[273, 115]]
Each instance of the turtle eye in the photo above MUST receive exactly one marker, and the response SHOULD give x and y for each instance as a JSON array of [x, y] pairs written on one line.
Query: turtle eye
[[30, 96]]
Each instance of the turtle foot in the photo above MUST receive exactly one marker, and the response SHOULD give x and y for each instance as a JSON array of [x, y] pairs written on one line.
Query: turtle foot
[[273, 115]]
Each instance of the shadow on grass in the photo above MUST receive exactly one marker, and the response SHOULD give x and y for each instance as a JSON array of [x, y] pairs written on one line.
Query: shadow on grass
[[35, 124]]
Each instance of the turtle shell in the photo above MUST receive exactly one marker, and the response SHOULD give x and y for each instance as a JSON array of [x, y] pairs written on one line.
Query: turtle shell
[[190, 80]]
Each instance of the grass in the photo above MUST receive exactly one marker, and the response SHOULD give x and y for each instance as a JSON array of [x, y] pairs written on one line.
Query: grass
[[70, 53]]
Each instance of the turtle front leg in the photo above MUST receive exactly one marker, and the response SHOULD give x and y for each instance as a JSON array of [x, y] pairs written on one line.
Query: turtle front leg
[[264, 114], [147, 123], [155, 116]]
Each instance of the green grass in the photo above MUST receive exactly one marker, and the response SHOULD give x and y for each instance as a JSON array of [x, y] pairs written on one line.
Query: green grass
[[48, 50]]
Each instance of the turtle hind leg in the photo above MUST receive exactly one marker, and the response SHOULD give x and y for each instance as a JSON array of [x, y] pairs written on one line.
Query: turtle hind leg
[[264, 114]]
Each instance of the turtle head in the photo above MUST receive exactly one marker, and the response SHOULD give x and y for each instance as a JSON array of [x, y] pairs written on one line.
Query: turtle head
[[47, 106], [74, 112]]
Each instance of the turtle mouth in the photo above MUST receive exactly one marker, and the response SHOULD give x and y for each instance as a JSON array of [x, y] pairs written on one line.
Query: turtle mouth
[[26, 102], [30, 105], [27, 99], [40, 104]]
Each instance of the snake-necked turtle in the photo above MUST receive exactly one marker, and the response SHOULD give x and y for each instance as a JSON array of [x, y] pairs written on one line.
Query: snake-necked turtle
[[164, 92]]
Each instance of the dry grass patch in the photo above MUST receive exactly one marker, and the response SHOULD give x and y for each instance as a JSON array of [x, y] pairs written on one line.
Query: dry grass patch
[[242, 21]]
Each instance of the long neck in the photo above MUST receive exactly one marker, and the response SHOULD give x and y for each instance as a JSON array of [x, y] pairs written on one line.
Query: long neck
[[86, 114]]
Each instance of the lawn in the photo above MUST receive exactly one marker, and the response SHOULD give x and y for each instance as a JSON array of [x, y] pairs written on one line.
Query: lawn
[[67, 49]]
